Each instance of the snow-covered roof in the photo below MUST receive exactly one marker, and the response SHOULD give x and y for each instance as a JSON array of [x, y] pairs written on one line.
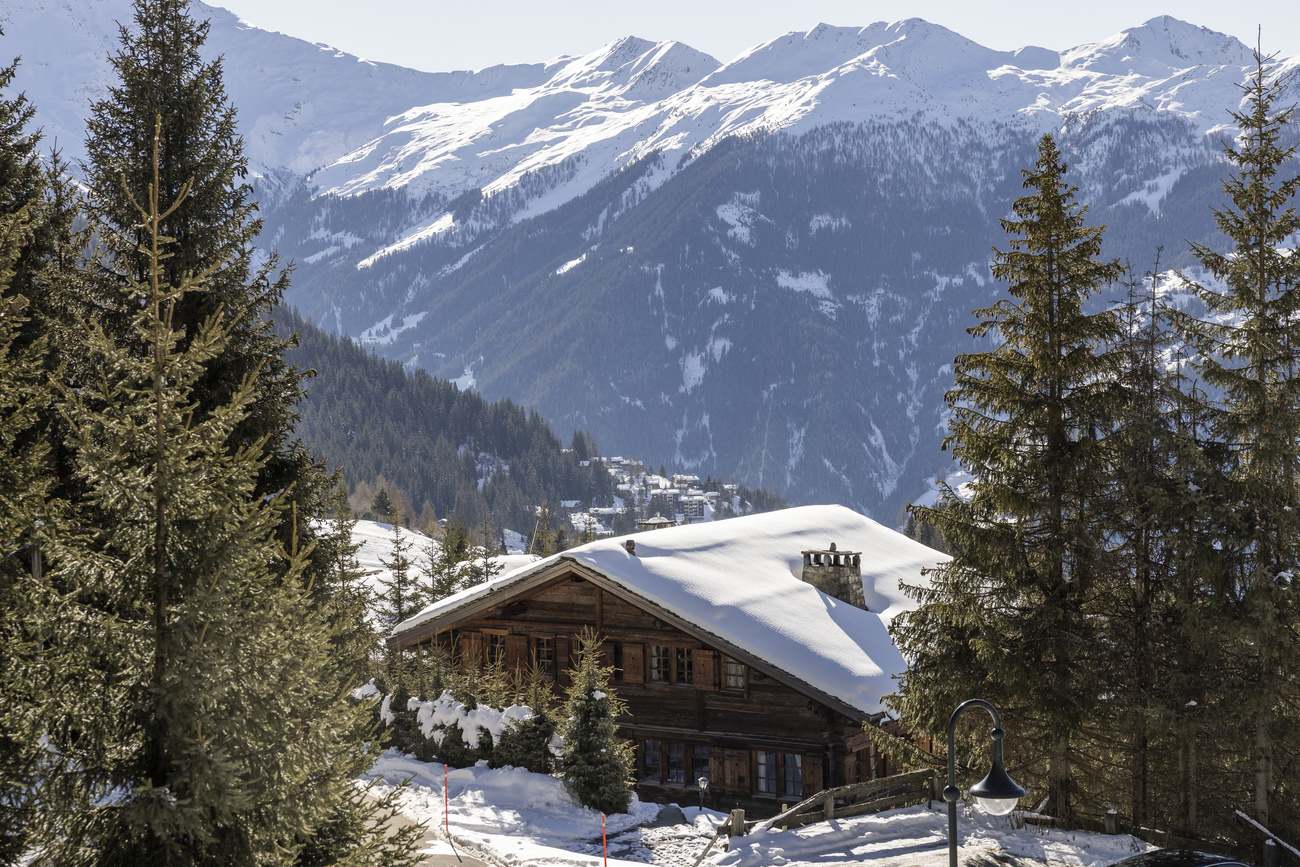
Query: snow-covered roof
[[738, 582]]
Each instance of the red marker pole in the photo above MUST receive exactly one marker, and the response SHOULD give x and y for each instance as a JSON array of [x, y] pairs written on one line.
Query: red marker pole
[[604, 844], [446, 804]]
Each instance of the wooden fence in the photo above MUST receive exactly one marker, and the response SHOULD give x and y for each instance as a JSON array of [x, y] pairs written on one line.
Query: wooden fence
[[858, 799]]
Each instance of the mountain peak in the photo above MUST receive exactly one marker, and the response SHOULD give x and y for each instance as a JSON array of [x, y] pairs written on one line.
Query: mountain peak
[[631, 61], [1163, 43]]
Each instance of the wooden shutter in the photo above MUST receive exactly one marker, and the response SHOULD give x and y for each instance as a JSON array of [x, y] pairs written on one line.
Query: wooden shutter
[[634, 663], [706, 669], [851, 768], [471, 651], [607, 654], [562, 663], [812, 775], [517, 653], [736, 774]]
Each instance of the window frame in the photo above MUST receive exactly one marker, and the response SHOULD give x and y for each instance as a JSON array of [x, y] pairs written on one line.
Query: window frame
[[687, 760], [783, 773], [727, 663], [541, 659], [494, 639], [671, 665]]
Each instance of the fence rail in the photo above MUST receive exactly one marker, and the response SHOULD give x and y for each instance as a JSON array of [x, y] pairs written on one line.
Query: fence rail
[[857, 799]]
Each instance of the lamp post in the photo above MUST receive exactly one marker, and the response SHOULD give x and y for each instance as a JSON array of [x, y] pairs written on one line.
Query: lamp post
[[997, 793]]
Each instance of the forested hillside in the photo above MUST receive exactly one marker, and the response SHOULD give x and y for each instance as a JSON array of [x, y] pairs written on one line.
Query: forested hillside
[[437, 449]]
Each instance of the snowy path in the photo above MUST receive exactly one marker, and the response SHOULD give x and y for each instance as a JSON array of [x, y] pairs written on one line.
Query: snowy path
[[511, 818]]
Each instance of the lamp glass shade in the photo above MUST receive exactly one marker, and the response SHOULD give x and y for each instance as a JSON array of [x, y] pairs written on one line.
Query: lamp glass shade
[[997, 806], [997, 793]]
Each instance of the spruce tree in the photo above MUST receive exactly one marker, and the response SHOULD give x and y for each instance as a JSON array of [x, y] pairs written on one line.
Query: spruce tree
[[443, 567], [1007, 617], [24, 523], [597, 765], [1249, 351], [399, 595], [204, 725], [211, 230]]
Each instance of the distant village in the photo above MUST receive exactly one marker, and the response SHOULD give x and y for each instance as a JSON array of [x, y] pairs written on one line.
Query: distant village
[[649, 501]]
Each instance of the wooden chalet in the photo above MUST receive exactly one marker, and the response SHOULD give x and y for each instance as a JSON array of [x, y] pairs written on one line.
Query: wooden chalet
[[749, 651]]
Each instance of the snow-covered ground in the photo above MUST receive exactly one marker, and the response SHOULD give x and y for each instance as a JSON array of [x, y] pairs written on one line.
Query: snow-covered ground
[[516, 818]]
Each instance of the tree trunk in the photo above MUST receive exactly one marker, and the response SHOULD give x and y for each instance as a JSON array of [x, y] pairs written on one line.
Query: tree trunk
[[1058, 778], [1263, 768]]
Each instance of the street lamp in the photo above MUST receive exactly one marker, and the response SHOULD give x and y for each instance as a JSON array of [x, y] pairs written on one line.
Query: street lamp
[[997, 793]]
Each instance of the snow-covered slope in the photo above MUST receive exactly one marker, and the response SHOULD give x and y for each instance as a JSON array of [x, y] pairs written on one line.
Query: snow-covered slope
[[355, 125], [610, 108], [301, 105]]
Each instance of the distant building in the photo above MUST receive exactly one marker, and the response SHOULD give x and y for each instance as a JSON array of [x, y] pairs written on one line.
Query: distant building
[[658, 522]]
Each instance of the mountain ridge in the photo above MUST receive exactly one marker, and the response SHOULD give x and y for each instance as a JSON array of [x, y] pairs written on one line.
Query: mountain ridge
[[762, 268]]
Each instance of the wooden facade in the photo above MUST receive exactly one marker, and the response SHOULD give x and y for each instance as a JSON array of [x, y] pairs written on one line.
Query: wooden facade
[[697, 707]]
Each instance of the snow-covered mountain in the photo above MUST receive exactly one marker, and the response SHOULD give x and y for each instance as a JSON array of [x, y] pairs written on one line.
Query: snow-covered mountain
[[761, 268]]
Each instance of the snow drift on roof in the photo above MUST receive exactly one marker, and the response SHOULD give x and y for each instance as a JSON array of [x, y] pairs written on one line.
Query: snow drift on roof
[[739, 581]]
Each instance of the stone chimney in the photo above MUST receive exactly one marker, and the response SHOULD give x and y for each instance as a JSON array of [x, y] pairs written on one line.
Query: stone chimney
[[836, 573]]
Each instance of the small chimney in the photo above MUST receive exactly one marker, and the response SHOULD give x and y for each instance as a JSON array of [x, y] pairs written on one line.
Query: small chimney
[[836, 573], [630, 545]]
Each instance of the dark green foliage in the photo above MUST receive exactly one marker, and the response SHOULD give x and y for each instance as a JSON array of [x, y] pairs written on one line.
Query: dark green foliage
[[400, 596], [191, 666], [596, 764], [527, 745], [373, 419], [201, 170], [381, 506], [24, 516], [1249, 353], [211, 732], [1007, 618], [444, 569]]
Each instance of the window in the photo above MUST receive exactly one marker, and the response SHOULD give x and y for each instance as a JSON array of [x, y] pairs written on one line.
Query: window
[[767, 773], [676, 763], [682, 672], [733, 675], [793, 775], [780, 774], [671, 664], [496, 649], [659, 663], [544, 655], [699, 764], [652, 761], [673, 763]]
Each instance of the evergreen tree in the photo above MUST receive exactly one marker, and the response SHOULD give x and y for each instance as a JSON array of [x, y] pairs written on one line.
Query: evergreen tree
[[1249, 350], [443, 568], [543, 540], [382, 505], [485, 566], [1007, 617], [35, 193], [211, 228], [597, 765], [203, 723], [24, 517], [399, 595]]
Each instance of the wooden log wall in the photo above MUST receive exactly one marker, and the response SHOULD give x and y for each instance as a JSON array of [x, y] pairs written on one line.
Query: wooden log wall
[[734, 724]]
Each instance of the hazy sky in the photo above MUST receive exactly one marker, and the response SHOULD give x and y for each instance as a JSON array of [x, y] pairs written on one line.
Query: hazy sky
[[437, 35]]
